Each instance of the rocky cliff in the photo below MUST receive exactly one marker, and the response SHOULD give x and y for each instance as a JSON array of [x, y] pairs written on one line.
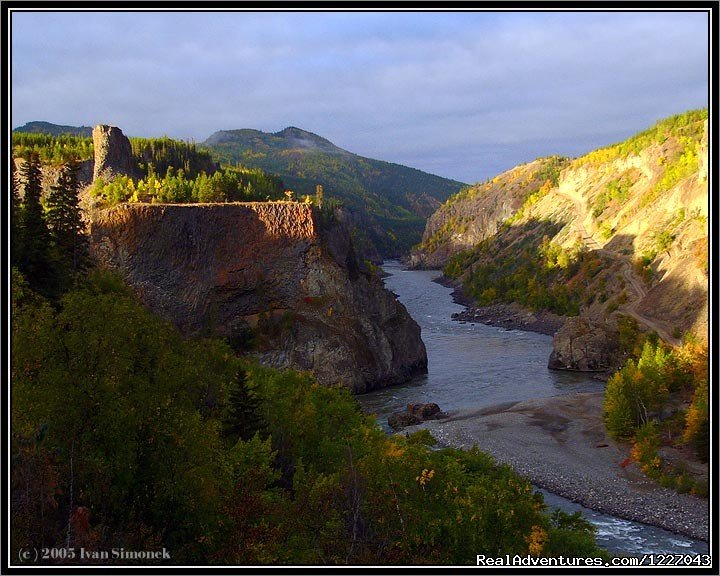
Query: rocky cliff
[[477, 212], [113, 153], [276, 268]]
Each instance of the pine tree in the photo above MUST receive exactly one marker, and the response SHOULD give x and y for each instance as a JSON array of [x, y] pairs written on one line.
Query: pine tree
[[63, 216], [35, 260], [243, 417], [15, 240]]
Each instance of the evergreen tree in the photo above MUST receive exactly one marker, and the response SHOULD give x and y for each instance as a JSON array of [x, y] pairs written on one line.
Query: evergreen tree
[[243, 417], [15, 240], [63, 216], [35, 260]]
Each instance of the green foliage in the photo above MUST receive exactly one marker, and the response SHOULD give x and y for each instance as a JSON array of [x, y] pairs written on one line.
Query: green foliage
[[697, 420], [630, 339], [242, 419], [550, 171], [616, 193], [64, 218], [521, 267], [122, 397], [688, 124], [570, 532], [683, 165], [15, 214], [423, 437], [639, 390], [156, 156], [644, 451], [636, 395], [34, 243], [52, 149], [126, 434], [663, 240], [226, 185]]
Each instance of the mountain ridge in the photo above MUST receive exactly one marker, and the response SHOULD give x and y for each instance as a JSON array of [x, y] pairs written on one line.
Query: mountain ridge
[[390, 201], [42, 127]]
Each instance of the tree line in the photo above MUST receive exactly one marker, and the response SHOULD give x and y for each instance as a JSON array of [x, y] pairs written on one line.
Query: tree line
[[228, 184]]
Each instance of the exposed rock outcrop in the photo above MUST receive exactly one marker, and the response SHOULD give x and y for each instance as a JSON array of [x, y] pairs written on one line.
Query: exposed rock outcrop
[[585, 346], [113, 153], [477, 213], [415, 414], [221, 268]]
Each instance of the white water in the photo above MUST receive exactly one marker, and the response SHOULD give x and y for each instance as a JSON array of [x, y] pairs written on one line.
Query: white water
[[473, 365]]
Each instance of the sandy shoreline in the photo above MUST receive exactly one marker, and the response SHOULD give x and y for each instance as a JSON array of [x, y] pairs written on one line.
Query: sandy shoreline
[[560, 444]]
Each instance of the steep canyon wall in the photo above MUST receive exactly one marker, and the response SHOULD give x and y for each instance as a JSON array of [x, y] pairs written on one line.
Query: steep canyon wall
[[220, 269]]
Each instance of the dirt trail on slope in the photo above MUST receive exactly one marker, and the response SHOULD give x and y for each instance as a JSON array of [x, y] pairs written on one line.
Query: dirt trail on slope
[[627, 271]]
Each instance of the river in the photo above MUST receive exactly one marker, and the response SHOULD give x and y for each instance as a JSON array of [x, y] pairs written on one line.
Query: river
[[474, 365]]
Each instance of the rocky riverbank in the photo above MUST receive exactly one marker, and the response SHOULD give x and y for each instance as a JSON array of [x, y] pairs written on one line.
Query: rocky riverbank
[[512, 317], [560, 444], [508, 316]]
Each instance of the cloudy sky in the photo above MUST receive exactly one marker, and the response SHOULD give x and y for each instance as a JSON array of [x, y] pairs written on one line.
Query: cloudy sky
[[463, 95]]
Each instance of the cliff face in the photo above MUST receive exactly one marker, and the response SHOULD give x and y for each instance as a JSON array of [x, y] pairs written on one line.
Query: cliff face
[[221, 268], [476, 213]]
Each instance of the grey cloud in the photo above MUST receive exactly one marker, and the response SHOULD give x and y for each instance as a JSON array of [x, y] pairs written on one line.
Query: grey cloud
[[462, 95]]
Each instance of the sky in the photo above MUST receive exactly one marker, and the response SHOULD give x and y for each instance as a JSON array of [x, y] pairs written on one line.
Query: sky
[[465, 95]]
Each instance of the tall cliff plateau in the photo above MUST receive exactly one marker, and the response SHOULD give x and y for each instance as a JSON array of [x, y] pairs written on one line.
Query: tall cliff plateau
[[280, 268], [632, 216]]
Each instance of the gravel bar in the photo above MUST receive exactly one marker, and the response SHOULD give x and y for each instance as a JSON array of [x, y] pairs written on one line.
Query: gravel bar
[[560, 444]]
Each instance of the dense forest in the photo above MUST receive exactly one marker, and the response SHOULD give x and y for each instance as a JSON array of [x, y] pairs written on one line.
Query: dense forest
[[125, 434], [155, 156], [225, 185], [52, 149]]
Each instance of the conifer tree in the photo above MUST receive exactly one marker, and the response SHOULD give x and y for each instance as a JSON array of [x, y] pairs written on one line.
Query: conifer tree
[[63, 216], [35, 260], [15, 240], [243, 417]]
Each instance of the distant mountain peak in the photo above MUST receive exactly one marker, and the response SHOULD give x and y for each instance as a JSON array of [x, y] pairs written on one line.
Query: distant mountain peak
[[299, 138]]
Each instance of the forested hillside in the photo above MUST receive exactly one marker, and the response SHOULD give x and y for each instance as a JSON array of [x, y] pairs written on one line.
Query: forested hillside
[[54, 129], [167, 170], [392, 201]]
